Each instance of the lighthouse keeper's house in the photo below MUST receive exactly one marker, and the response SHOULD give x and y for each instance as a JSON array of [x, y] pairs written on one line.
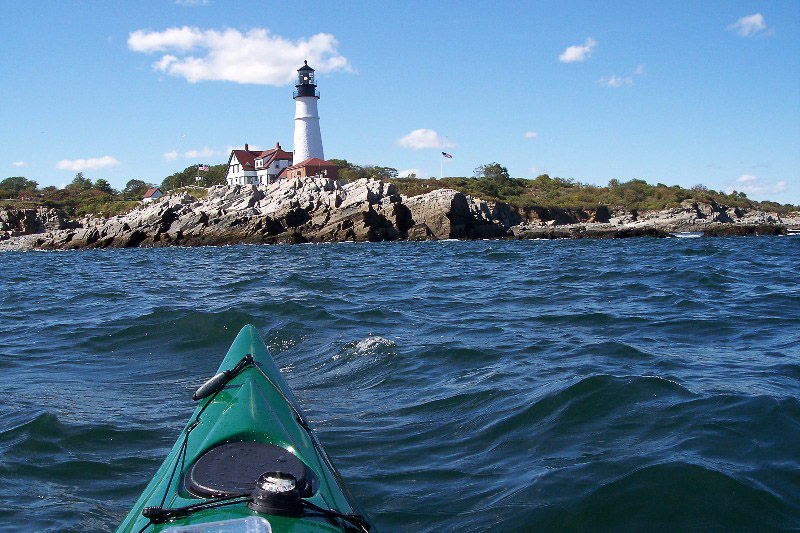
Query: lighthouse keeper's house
[[257, 167]]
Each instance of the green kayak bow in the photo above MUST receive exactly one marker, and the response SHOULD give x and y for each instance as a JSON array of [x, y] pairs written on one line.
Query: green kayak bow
[[246, 461]]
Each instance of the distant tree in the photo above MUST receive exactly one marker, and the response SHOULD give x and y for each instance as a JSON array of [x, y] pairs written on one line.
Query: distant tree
[[492, 171], [350, 171], [613, 183], [341, 163], [409, 176], [80, 183], [380, 173], [14, 185], [103, 186], [699, 188], [215, 175], [135, 189]]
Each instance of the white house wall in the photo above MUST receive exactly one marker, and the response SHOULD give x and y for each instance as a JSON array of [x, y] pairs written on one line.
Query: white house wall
[[263, 175], [232, 177], [240, 176]]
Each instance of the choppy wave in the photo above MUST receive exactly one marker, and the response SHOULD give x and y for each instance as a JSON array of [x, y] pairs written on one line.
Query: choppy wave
[[566, 385]]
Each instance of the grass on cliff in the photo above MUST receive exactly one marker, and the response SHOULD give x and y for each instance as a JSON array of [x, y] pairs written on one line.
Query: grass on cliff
[[75, 205], [79, 203], [493, 182], [545, 191], [196, 192]]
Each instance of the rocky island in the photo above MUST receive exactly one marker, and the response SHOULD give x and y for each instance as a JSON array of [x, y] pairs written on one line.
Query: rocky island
[[325, 210]]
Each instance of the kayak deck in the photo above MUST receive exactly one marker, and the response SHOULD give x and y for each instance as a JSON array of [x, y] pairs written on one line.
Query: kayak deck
[[255, 405]]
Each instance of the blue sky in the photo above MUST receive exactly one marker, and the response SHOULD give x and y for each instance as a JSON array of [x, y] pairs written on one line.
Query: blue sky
[[672, 92]]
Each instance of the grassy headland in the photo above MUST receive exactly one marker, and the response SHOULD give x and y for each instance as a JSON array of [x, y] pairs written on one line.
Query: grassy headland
[[492, 182], [489, 182]]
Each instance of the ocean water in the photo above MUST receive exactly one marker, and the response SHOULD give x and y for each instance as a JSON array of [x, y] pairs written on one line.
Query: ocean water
[[536, 385]]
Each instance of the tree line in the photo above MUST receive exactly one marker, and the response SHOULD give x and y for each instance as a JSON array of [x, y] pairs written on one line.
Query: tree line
[[490, 181]]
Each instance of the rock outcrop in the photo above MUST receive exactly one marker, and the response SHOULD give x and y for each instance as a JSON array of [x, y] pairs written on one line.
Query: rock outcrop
[[15, 222], [322, 210]]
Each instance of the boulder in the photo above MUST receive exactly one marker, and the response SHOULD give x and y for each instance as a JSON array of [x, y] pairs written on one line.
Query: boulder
[[444, 211]]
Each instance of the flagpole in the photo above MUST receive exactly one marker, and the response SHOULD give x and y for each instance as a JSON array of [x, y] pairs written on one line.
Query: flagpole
[[441, 165]]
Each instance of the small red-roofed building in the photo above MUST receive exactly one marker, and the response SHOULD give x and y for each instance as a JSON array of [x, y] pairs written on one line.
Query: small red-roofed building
[[153, 193], [257, 167], [313, 167]]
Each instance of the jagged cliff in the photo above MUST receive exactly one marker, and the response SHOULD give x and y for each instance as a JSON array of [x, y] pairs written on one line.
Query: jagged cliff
[[322, 210]]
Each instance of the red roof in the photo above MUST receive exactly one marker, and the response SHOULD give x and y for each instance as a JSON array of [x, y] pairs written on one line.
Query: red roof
[[151, 192], [246, 157], [276, 154], [314, 162]]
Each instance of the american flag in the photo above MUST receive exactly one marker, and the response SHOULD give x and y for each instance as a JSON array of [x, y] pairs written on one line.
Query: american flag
[[448, 156], [202, 168]]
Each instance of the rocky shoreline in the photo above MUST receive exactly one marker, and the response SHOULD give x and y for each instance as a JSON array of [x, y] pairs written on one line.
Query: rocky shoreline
[[322, 210]]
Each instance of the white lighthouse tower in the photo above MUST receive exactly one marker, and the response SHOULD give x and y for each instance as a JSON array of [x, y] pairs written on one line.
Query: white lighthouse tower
[[307, 138]]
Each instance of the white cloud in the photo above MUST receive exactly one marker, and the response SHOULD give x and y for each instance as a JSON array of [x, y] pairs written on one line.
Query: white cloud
[[749, 25], [615, 81], [534, 171], [183, 39], [18, 164], [194, 154], [164, 63], [753, 185], [256, 56], [578, 52], [417, 172], [93, 163], [205, 152], [424, 138], [531, 134]]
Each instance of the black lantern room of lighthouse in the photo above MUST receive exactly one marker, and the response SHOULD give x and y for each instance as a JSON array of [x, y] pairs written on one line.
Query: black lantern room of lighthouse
[[306, 86]]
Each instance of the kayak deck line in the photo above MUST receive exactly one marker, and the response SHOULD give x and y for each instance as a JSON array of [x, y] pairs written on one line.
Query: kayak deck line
[[253, 459]]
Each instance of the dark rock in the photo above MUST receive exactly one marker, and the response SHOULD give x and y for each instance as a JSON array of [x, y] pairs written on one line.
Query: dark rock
[[420, 232], [133, 239], [600, 215], [296, 217], [745, 230]]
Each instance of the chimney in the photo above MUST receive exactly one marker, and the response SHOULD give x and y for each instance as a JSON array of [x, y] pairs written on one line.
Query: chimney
[[277, 146], [246, 148]]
